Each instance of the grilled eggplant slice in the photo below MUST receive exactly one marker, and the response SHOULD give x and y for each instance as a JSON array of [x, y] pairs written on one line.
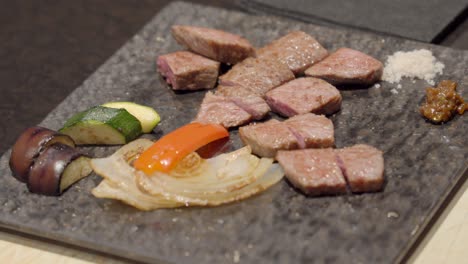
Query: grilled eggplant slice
[[56, 169], [29, 145]]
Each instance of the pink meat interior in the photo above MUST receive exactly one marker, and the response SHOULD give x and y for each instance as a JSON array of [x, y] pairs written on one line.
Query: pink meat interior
[[166, 71]]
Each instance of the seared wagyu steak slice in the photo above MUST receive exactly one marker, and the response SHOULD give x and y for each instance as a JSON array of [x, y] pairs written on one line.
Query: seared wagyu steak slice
[[363, 167], [212, 43], [267, 138], [185, 70], [313, 171], [235, 91], [298, 50], [312, 131], [329, 171], [254, 105], [254, 76], [231, 111], [304, 95], [347, 66], [302, 131]]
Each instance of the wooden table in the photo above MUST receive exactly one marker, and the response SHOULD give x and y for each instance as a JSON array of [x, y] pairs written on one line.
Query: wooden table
[[54, 45]]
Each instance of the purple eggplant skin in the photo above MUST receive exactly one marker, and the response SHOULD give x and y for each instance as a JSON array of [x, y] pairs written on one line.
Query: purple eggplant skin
[[29, 146], [46, 172]]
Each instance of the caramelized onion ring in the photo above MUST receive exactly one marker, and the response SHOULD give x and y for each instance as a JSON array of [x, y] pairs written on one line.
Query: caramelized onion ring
[[225, 178]]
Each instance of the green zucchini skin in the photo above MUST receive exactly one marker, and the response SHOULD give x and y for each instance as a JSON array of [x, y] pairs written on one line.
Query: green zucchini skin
[[148, 117], [102, 125]]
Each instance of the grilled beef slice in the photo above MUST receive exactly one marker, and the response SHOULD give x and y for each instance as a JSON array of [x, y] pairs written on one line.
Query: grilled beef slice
[[212, 43], [220, 110], [297, 50], [185, 70], [313, 171], [234, 91], [231, 111], [363, 167], [254, 76], [304, 95], [312, 131], [302, 131], [254, 105], [267, 138], [347, 66], [325, 171]]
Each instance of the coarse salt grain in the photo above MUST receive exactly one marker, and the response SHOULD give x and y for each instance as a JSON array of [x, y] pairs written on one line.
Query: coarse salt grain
[[414, 64]]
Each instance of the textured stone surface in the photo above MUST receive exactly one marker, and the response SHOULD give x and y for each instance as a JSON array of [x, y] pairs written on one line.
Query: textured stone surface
[[423, 162], [413, 19]]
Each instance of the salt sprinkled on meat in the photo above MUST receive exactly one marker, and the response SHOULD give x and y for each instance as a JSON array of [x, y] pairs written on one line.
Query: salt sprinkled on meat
[[414, 64]]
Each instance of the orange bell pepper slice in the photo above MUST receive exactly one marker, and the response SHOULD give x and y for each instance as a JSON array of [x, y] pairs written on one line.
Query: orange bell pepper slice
[[165, 153]]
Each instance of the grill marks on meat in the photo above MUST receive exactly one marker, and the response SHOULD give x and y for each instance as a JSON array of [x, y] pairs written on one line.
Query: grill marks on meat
[[363, 167], [231, 111], [214, 44], [326, 171], [302, 131], [297, 50], [347, 66], [185, 70], [253, 76], [304, 95], [313, 171]]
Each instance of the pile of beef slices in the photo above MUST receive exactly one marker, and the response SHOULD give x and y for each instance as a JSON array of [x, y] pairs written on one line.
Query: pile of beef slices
[[294, 77]]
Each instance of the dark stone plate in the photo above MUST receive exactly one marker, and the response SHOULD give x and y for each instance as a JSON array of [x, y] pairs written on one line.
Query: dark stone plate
[[427, 21], [423, 164]]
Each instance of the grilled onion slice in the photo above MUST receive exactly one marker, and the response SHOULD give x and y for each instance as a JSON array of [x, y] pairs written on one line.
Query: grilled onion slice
[[119, 180], [194, 181]]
